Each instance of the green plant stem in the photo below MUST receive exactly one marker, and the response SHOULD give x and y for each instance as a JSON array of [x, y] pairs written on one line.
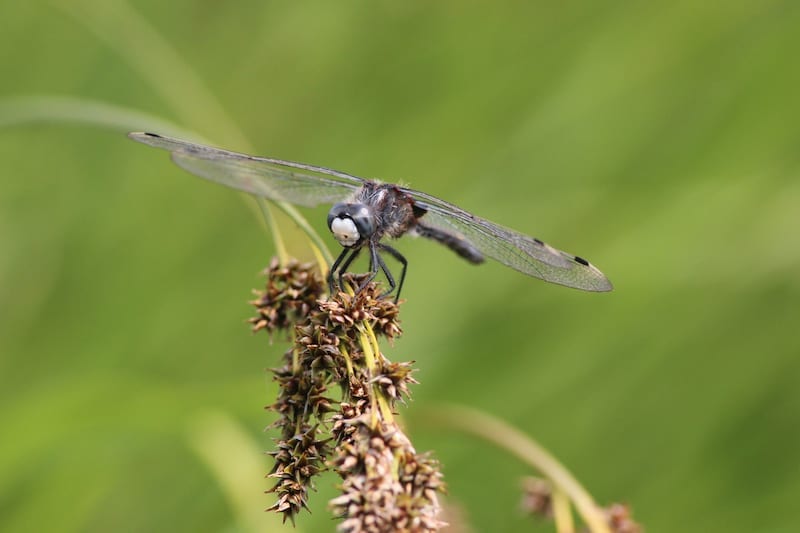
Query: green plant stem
[[15, 111], [562, 513], [269, 218], [369, 343], [528, 450]]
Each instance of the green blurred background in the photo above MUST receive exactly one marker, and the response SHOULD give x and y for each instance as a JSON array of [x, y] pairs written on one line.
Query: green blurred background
[[660, 140]]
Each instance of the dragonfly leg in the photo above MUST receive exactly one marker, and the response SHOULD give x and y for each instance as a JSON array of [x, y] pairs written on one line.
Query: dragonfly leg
[[389, 277], [374, 261], [346, 265], [403, 261], [335, 267]]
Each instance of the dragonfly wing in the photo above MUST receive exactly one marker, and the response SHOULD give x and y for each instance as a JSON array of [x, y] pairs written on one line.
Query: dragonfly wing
[[275, 179], [308, 185], [516, 250]]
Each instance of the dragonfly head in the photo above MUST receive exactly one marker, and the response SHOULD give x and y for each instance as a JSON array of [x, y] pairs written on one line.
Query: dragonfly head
[[351, 224]]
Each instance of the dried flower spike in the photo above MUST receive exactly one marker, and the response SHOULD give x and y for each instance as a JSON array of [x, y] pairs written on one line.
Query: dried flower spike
[[537, 497], [537, 500], [291, 292], [620, 519], [386, 485]]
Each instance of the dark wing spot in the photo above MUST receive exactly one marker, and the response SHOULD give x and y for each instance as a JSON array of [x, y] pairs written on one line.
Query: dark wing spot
[[537, 241], [582, 261]]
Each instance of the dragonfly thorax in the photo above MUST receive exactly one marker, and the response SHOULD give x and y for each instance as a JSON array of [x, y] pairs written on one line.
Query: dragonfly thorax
[[351, 224]]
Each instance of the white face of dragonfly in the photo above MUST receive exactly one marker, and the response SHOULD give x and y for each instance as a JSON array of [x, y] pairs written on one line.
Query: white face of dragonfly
[[351, 223], [345, 231]]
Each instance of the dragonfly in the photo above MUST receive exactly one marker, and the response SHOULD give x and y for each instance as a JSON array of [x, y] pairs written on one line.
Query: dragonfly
[[366, 211]]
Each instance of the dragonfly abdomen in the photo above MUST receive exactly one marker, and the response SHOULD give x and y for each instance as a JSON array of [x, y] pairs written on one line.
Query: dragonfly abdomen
[[459, 245]]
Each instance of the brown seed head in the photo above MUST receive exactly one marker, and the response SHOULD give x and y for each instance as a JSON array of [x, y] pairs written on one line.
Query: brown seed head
[[290, 294], [386, 485], [620, 519], [537, 497]]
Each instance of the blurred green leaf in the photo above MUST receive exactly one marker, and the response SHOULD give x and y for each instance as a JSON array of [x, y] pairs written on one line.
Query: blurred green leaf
[[658, 140]]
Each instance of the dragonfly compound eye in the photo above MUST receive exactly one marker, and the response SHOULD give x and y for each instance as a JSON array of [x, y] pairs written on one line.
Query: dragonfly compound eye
[[350, 223], [363, 219]]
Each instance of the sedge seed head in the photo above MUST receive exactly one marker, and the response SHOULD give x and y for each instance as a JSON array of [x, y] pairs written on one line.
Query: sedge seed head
[[291, 292]]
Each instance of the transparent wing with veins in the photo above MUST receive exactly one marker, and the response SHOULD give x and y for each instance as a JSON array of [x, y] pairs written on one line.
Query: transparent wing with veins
[[295, 183], [516, 250], [309, 185]]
